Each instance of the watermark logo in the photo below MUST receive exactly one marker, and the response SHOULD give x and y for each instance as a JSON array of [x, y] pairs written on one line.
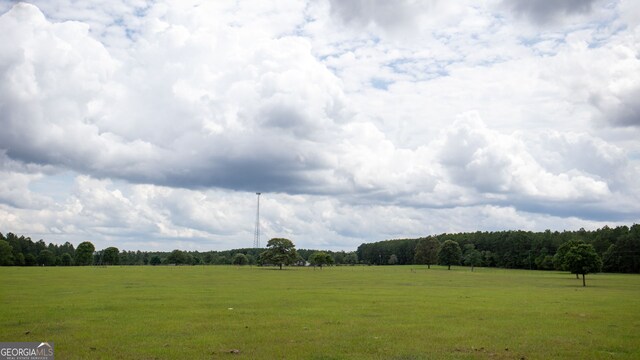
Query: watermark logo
[[26, 351]]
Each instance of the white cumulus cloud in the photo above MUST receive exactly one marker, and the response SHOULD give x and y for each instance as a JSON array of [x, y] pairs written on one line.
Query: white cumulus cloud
[[152, 124]]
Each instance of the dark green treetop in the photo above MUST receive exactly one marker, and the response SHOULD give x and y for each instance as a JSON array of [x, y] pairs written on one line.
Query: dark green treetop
[[472, 257], [582, 259], [279, 252], [84, 253], [427, 251], [450, 254], [111, 256], [320, 258], [6, 253], [240, 259]]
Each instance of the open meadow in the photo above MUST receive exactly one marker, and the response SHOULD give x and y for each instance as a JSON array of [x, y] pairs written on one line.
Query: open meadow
[[384, 312]]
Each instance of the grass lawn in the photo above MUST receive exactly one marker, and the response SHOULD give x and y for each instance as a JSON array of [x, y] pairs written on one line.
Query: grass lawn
[[389, 312]]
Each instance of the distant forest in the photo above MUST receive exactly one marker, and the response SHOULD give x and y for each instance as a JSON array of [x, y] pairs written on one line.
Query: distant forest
[[23, 251], [618, 247]]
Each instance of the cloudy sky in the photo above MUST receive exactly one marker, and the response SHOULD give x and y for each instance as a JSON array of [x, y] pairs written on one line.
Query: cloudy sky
[[150, 125]]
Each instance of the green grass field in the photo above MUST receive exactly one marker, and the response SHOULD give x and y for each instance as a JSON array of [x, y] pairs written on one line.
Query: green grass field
[[401, 312]]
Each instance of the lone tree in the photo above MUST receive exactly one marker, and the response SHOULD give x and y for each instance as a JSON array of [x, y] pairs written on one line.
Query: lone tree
[[84, 253], [559, 261], [449, 254], [320, 258], [582, 259], [472, 257], [427, 251], [240, 259], [111, 256], [279, 252], [393, 259]]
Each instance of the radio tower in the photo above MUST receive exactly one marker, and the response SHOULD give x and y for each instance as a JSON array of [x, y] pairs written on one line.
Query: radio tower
[[256, 239]]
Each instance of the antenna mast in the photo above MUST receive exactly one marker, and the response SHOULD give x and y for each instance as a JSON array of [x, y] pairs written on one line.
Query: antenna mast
[[256, 239]]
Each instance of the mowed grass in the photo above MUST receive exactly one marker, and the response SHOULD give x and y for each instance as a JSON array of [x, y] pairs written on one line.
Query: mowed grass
[[390, 312]]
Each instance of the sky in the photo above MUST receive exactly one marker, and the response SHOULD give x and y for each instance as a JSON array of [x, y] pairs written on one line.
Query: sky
[[150, 125]]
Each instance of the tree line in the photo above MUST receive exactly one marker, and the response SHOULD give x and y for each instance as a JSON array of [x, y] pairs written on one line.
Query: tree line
[[23, 251], [618, 248]]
